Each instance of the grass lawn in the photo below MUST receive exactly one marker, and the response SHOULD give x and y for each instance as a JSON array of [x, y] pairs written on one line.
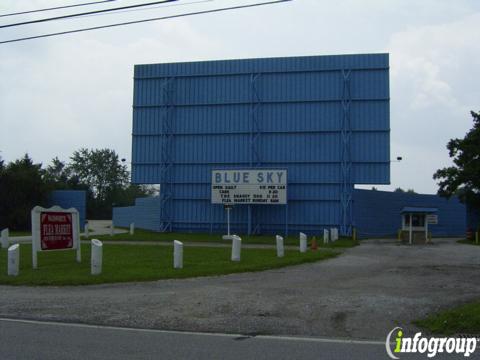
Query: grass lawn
[[146, 235], [464, 319], [124, 263], [469, 242], [13, 233]]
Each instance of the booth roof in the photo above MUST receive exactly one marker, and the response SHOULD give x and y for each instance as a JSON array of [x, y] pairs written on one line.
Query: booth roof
[[425, 210]]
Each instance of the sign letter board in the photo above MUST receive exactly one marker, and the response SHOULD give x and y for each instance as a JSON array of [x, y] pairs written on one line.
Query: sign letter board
[[56, 230], [255, 187]]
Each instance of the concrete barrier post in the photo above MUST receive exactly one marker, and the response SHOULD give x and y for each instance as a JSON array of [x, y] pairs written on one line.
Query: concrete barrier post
[[132, 228], [280, 247], [112, 229], [97, 255], [13, 260], [325, 236], [177, 254], [236, 248], [4, 238], [303, 242], [85, 230], [333, 234]]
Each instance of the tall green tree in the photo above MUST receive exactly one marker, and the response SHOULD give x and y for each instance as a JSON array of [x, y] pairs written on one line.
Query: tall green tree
[[102, 173], [463, 178], [22, 186]]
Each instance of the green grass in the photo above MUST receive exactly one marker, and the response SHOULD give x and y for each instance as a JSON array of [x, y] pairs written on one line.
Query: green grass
[[468, 242], [145, 235], [463, 319], [13, 233], [125, 263]]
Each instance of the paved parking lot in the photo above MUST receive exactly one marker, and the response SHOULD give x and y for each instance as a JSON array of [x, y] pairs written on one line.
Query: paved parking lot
[[362, 294]]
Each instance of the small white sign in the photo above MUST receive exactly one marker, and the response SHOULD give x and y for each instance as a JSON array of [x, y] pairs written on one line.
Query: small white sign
[[432, 219], [259, 187]]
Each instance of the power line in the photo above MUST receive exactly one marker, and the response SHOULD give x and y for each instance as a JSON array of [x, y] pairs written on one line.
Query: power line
[[153, 8], [143, 21], [56, 8], [85, 13]]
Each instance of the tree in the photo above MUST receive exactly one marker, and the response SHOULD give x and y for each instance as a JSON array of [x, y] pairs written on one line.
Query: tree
[[22, 186], [102, 173], [463, 178]]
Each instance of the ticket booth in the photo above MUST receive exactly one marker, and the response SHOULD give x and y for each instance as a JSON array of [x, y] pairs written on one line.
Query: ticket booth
[[415, 221]]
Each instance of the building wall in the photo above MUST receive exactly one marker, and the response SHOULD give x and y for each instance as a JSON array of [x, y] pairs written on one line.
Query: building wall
[[145, 214], [323, 118], [377, 213], [71, 199]]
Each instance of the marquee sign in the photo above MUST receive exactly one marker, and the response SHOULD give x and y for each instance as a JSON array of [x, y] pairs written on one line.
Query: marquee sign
[[55, 229], [254, 187]]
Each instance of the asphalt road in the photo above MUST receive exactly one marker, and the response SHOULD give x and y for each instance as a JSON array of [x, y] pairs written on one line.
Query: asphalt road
[[43, 340]]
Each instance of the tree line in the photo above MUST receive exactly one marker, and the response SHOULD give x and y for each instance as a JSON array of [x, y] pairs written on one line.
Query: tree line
[[105, 178]]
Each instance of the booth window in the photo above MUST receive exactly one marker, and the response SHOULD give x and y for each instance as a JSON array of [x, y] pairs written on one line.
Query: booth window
[[418, 220]]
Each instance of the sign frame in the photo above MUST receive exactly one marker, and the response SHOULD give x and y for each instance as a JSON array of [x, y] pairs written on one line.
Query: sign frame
[[36, 213], [244, 184]]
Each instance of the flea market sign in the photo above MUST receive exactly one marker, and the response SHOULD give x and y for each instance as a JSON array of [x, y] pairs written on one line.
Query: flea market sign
[[259, 186]]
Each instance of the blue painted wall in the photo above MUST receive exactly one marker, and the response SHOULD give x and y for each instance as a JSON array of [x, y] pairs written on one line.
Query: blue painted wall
[[323, 118], [377, 213], [71, 198], [145, 214]]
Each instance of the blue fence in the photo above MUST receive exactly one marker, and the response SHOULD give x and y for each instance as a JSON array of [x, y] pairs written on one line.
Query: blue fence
[[145, 214], [71, 198], [377, 213]]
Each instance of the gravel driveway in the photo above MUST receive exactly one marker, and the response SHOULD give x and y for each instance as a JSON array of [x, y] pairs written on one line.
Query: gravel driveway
[[362, 294]]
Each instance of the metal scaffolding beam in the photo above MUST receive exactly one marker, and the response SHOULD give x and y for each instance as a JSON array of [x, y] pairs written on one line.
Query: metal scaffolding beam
[[346, 158], [166, 168], [255, 132]]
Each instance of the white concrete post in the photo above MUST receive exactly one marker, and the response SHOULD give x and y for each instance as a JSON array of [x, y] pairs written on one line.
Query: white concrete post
[[85, 230], [13, 260], [177, 254], [426, 229], [236, 248], [97, 254], [112, 229], [280, 248], [5, 234], [132, 228], [325, 236], [303, 242], [333, 234]]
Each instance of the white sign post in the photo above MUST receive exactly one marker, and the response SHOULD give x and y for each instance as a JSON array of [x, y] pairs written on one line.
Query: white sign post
[[4, 240], [97, 257], [303, 242], [177, 254], [280, 247], [325, 236], [236, 247], [249, 187], [13, 260], [132, 228], [55, 229]]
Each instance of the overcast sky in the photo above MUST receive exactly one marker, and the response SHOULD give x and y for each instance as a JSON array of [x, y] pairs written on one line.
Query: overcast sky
[[59, 94]]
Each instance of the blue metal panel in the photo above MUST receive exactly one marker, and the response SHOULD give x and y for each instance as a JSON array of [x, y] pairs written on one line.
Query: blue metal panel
[[377, 213], [71, 199], [323, 118], [145, 214]]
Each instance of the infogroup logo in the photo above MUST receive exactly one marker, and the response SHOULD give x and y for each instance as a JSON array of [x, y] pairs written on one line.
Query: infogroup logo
[[429, 346]]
